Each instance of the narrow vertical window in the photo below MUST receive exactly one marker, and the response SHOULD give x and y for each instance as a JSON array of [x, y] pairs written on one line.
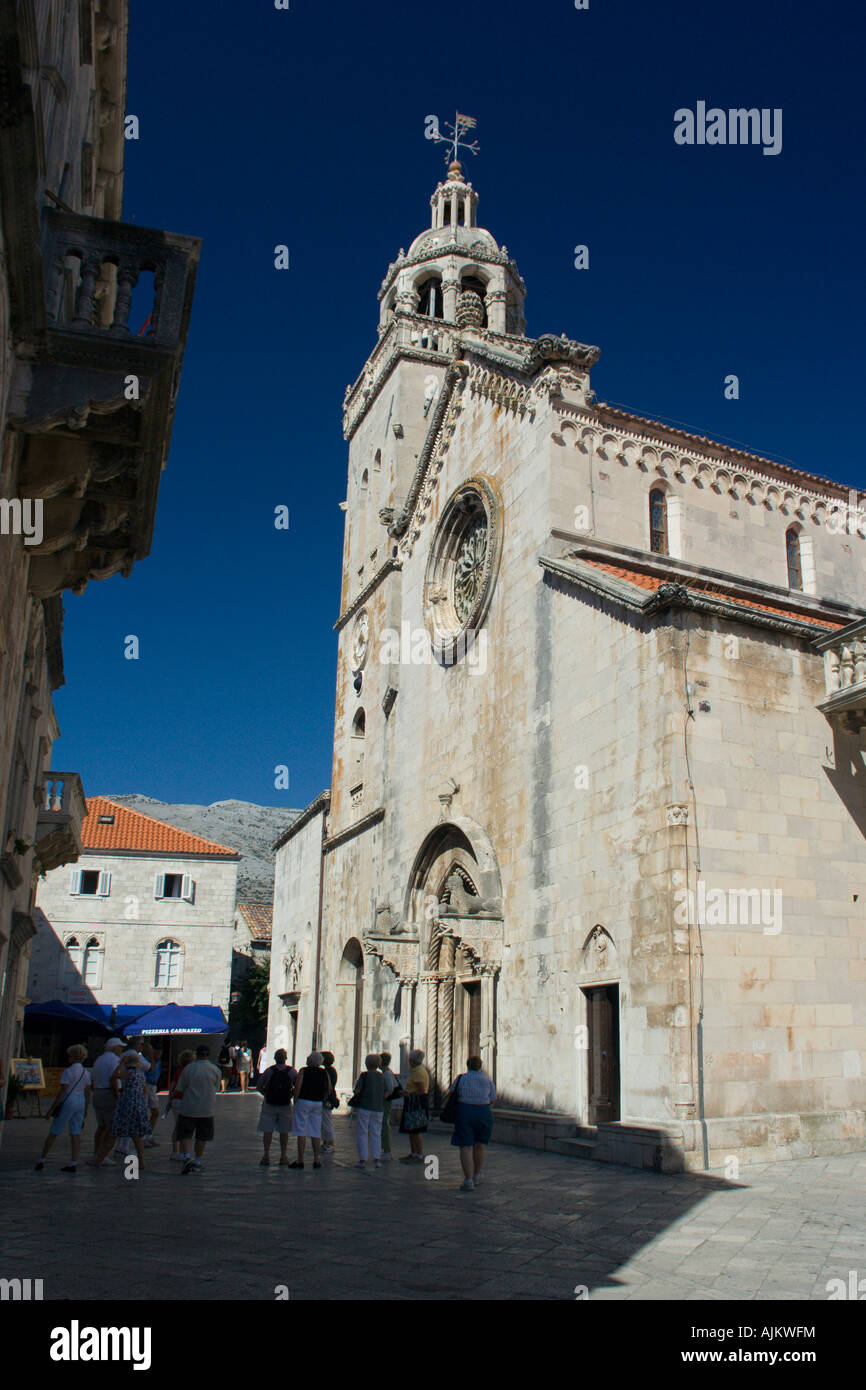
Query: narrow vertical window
[[658, 511], [795, 559], [168, 965], [73, 960], [91, 969]]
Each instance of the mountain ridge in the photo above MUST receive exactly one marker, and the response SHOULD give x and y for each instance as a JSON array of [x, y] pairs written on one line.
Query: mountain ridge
[[240, 825]]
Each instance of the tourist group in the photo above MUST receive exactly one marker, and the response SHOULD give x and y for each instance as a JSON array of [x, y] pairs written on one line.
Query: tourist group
[[122, 1087]]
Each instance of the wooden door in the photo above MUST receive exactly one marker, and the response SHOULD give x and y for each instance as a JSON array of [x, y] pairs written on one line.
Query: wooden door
[[602, 1016]]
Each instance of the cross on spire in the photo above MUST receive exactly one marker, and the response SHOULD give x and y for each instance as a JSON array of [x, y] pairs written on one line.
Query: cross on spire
[[455, 142]]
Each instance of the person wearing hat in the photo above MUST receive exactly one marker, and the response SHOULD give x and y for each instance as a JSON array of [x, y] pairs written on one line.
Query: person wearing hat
[[104, 1099]]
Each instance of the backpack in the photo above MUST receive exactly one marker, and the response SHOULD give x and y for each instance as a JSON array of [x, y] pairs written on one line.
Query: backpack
[[280, 1087]]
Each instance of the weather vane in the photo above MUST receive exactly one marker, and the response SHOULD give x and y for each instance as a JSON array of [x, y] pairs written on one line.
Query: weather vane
[[455, 143]]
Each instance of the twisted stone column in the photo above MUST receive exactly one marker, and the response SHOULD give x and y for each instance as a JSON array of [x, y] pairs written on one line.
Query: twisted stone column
[[446, 1009]]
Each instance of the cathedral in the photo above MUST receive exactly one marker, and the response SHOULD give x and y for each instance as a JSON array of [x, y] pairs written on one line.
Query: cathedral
[[597, 805]]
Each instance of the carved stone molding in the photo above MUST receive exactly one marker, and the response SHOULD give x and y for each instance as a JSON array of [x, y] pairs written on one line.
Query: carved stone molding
[[688, 460]]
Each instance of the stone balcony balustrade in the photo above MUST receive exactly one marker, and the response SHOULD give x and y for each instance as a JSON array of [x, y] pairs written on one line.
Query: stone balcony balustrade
[[93, 398], [845, 674], [61, 810], [407, 335]]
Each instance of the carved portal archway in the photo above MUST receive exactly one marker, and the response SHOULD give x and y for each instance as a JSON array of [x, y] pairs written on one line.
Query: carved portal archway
[[445, 949], [454, 895]]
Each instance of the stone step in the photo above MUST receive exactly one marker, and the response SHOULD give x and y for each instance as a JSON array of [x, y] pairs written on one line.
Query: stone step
[[572, 1148], [588, 1132]]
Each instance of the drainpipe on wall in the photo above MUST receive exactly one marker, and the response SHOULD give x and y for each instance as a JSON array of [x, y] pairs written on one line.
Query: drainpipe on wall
[[315, 1044]]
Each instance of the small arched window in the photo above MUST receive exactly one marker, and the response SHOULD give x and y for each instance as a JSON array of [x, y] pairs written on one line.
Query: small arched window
[[430, 298], [794, 558], [365, 479], [91, 968], [658, 520], [377, 462], [359, 731], [169, 965], [73, 959]]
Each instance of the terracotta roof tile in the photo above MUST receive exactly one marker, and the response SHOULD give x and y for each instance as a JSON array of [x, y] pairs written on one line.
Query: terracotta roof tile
[[644, 580], [259, 917], [130, 830]]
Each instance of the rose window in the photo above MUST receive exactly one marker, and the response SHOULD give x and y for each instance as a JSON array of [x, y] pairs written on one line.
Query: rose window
[[461, 568]]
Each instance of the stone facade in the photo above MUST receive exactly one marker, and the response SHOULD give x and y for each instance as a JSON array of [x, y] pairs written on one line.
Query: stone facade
[[597, 806], [86, 407], [128, 923]]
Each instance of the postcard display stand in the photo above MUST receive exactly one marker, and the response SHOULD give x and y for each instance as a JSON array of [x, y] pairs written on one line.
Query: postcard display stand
[[30, 1074]]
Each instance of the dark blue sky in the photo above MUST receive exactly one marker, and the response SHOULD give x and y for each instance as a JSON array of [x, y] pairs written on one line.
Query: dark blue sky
[[261, 127]]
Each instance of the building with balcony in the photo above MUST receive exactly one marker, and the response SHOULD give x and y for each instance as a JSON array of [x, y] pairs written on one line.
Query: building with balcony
[[596, 812], [144, 917], [93, 322]]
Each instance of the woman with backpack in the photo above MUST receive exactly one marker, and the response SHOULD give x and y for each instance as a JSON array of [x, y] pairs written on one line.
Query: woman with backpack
[[277, 1085]]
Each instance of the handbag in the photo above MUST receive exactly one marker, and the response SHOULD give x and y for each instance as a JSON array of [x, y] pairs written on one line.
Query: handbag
[[448, 1113], [55, 1108], [355, 1098], [414, 1115]]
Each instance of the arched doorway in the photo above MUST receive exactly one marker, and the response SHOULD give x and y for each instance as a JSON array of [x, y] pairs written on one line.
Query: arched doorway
[[350, 1004], [454, 902]]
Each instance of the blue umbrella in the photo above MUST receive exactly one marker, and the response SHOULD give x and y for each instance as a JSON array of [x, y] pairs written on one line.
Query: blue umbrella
[[73, 1013], [178, 1018]]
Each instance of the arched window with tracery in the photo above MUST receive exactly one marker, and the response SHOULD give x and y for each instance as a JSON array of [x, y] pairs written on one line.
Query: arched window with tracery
[[658, 522], [91, 966], [73, 961], [169, 965]]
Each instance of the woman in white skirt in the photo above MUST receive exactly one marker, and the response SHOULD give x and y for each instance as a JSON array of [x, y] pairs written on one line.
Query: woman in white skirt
[[312, 1088]]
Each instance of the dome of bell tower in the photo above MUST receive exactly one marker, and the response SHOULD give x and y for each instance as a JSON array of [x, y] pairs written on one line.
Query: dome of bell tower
[[455, 271]]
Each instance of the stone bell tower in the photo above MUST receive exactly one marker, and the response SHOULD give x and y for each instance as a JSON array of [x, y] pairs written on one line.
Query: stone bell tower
[[455, 287]]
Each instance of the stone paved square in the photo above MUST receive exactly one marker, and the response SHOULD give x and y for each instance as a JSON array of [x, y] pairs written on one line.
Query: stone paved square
[[540, 1226]]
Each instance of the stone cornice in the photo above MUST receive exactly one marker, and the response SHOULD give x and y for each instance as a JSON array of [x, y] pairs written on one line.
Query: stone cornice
[[320, 803], [673, 595], [666, 567], [510, 351], [453, 248], [855, 629], [369, 588], [453, 375], [357, 827], [666, 451]]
